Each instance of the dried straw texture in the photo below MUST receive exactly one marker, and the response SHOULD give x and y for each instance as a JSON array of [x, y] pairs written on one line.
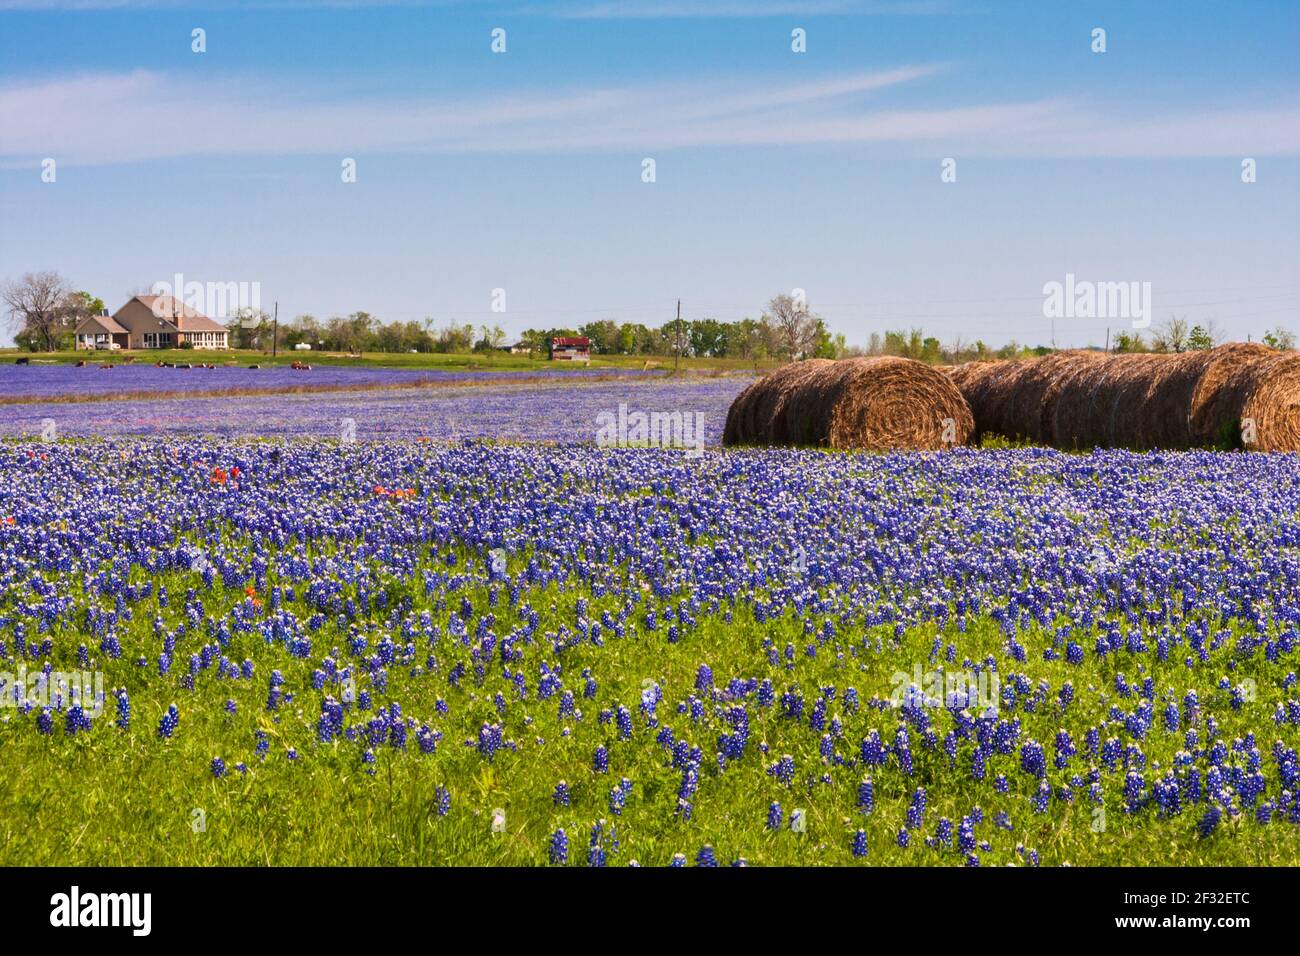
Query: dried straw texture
[[1167, 406], [1128, 412], [757, 415], [1213, 410], [1065, 417], [1079, 400], [1263, 398], [873, 403], [1032, 410], [989, 388], [738, 414]]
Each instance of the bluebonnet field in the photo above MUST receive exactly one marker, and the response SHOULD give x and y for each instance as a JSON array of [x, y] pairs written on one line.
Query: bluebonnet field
[[527, 411], [67, 382], [469, 652]]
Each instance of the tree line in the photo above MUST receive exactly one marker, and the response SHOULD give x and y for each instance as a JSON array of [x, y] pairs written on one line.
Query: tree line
[[44, 310]]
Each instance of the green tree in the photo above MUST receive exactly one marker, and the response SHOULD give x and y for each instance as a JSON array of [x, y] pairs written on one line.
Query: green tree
[[707, 337], [1280, 338], [604, 335], [1129, 342], [1199, 339]]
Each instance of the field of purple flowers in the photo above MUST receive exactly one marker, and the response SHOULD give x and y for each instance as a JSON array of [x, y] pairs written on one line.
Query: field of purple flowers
[[35, 382], [429, 652], [534, 411]]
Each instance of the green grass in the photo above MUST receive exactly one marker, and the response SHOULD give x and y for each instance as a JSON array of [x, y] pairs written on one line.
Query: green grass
[[111, 797]]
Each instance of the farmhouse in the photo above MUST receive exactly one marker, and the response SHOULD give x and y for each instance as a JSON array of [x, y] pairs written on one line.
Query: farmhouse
[[151, 322], [570, 348]]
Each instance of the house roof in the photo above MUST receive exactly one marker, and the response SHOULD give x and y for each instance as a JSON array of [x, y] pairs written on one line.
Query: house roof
[[93, 324], [167, 313], [570, 341]]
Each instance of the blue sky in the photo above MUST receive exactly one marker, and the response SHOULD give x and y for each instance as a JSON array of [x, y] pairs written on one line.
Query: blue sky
[[775, 170]]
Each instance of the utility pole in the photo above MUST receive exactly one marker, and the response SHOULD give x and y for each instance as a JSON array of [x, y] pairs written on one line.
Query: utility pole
[[275, 329], [677, 358], [1108, 338]]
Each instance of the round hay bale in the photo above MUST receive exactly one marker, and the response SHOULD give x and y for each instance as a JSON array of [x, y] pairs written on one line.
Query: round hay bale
[[757, 414], [1074, 417], [1128, 388], [737, 414], [797, 414], [989, 388], [1167, 416], [967, 377], [1061, 401], [1264, 397], [872, 403], [1211, 407], [968, 372], [772, 408], [1084, 400], [1032, 407]]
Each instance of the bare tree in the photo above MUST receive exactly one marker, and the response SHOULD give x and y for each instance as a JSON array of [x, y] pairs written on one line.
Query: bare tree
[[794, 327], [40, 306], [1172, 335]]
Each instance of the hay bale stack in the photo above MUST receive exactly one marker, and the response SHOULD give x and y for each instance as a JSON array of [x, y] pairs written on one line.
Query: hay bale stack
[[1083, 399], [872, 403], [1212, 411]]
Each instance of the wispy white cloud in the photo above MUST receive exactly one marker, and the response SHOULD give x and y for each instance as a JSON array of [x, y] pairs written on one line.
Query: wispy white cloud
[[145, 115]]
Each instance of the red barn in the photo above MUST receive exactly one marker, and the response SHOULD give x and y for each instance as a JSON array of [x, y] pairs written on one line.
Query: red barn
[[570, 348]]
